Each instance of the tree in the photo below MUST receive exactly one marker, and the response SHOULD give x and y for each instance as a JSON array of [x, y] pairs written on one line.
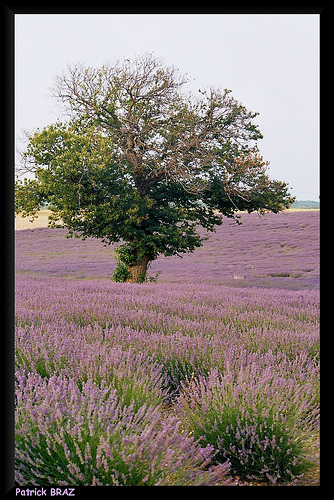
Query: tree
[[141, 162]]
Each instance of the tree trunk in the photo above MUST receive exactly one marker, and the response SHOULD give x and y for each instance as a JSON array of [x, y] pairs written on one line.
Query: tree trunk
[[138, 272]]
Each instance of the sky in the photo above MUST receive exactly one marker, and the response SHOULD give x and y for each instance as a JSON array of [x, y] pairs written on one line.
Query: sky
[[269, 61]]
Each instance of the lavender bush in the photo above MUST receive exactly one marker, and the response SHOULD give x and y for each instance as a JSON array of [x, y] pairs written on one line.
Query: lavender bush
[[169, 382], [257, 420], [77, 437]]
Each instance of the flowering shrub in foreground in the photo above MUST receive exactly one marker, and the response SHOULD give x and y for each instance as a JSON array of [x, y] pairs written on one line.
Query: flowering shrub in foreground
[[258, 421], [79, 437]]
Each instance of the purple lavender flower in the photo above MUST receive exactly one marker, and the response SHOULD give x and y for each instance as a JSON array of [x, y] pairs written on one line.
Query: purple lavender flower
[[171, 382]]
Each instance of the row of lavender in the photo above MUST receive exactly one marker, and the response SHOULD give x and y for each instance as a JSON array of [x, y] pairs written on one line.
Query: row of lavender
[[159, 384], [277, 250]]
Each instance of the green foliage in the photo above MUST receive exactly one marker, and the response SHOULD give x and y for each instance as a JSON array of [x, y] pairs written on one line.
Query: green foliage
[[121, 273], [27, 197], [140, 163], [130, 254]]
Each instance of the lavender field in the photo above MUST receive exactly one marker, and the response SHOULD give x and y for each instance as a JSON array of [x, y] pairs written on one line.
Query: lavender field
[[209, 376]]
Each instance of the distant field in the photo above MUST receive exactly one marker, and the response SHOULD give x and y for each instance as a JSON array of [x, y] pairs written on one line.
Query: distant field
[[24, 222], [42, 220], [277, 250]]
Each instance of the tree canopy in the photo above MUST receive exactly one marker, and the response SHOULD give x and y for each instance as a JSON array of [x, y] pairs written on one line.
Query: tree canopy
[[142, 162]]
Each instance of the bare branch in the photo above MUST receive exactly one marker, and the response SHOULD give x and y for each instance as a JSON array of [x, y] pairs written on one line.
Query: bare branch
[[157, 130]]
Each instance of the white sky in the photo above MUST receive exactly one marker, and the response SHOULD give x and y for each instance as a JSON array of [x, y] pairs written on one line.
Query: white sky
[[269, 61]]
